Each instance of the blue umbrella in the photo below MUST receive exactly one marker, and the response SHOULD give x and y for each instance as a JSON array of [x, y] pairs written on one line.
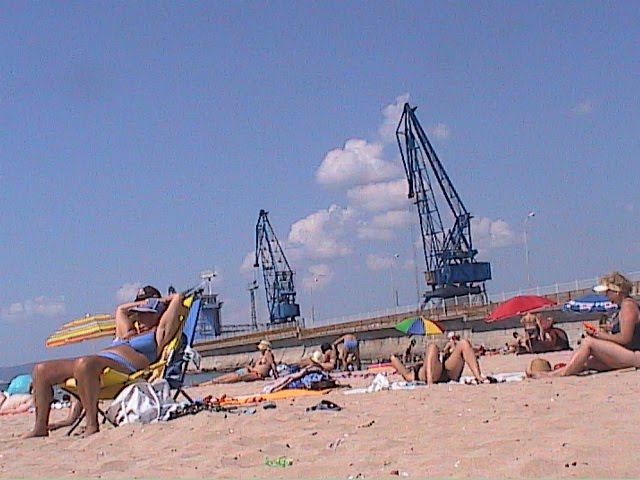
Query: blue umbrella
[[593, 302]]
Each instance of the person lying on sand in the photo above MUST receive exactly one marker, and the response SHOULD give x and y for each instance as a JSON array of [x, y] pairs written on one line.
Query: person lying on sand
[[143, 329], [439, 368], [602, 351], [265, 365], [16, 403]]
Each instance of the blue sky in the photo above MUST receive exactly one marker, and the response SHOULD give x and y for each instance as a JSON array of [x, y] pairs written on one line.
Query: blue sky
[[138, 142]]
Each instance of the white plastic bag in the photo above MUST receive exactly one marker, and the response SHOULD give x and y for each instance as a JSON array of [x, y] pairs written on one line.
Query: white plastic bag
[[140, 402]]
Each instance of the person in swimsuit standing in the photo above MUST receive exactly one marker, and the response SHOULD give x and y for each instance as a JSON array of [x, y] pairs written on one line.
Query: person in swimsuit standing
[[604, 351], [348, 351], [143, 329]]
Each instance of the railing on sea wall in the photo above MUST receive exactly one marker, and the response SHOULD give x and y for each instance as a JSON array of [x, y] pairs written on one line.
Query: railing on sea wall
[[557, 289]]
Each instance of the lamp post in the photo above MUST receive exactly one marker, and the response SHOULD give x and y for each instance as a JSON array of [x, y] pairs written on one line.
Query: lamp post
[[208, 276], [394, 290], [529, 216], [313, 310]]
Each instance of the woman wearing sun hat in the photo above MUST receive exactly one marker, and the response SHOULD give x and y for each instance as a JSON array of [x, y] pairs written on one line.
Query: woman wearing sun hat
[[619, 348]]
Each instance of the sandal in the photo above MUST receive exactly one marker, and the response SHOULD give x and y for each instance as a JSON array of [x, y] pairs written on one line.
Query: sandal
[[324, 405]]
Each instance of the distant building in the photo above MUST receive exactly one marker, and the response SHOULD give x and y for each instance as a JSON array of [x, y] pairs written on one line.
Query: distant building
[[209, 324]]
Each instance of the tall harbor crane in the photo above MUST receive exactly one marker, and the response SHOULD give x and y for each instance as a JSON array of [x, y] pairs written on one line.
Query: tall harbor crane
[[452, 270], [278, 276]]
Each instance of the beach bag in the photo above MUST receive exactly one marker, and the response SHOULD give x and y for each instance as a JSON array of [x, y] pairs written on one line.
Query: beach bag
[[140, 402]]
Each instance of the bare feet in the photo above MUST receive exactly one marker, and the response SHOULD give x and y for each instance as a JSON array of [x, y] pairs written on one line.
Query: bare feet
[[90, 431], [36, 433]]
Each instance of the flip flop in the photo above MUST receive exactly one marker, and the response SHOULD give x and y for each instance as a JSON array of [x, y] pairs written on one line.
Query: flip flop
[[324, 405]]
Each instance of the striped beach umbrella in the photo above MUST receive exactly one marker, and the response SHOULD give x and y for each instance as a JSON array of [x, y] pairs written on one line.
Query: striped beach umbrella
[[86, 328], [419, 326], [593, 302]]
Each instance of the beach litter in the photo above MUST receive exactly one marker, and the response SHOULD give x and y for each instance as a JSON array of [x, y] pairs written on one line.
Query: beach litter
[[324, 405], [278, 462]]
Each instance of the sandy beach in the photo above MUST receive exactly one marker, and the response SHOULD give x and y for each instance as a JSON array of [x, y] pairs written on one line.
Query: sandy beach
[[572, 427]]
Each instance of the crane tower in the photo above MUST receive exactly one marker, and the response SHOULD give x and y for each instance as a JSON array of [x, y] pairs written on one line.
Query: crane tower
[[452, 269], [278, 276]]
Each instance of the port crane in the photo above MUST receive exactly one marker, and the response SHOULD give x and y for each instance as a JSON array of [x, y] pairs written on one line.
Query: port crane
[[278, 276], [452, 269]]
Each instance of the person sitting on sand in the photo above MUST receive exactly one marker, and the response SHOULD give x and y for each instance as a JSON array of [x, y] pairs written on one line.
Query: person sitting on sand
[[326, 358], [348, 345], [518, 344], [450, 346], [531, 328], [603, 351], [143, 329], [438, 368], [265, 365]]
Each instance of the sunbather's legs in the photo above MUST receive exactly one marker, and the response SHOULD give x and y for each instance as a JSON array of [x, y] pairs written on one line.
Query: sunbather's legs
[[75, 409], [45, 376], [87, 372], [597, 354], [463, 353], [432, 363], [401, 369]]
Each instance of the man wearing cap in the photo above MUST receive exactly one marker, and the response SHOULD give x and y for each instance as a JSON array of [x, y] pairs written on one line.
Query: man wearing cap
[[603, 351]]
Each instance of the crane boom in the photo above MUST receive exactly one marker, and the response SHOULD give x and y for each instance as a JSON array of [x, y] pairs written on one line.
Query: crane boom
[[278, 276], [449, 255]]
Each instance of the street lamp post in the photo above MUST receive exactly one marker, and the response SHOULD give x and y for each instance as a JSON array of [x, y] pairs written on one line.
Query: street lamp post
[[208, 276], [313, 310], [394, 290], [526, 247]]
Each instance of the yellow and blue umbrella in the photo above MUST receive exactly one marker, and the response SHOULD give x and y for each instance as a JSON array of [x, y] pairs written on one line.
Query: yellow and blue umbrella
[[419, 326]]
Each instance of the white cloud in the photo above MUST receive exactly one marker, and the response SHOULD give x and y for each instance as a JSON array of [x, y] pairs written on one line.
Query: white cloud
[[379, 261], [392, 219], [380, 196], [583, 108], [359, 162], [367, 232], [127, 292], [37, 307], [441, 130], [383, 226], [248, 262], [489, 233], [317, 277], [392, 114], [321, 234]]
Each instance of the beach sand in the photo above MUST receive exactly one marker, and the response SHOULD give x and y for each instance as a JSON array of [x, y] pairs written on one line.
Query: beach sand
[[572, 427]]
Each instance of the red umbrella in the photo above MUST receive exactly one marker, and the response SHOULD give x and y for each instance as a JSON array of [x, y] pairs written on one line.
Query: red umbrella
[[518, 305]]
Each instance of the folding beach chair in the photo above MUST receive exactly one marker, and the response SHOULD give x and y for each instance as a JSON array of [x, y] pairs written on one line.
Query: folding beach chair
[[172, 364]]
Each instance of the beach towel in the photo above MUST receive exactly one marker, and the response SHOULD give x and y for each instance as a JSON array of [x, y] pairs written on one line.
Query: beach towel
[[500, 378], [303, 378], [380, 382], [263, 397]]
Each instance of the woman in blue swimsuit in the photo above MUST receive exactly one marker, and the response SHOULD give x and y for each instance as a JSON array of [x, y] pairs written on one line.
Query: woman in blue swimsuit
[[143, 329]]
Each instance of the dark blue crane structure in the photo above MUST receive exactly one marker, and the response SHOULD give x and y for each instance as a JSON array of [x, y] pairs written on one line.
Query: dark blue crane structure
[[278, 276], [452, 270]]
